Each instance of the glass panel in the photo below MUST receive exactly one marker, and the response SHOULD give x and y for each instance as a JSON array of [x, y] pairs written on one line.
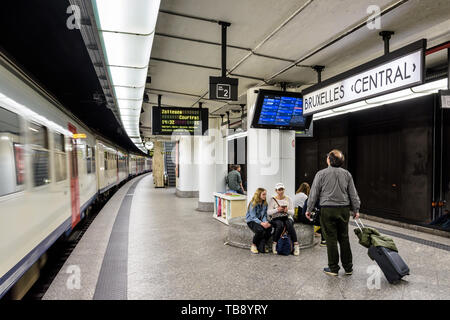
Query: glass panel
[[58, 142], [38, 135], [9, 159], [60, 166], [40, 167]]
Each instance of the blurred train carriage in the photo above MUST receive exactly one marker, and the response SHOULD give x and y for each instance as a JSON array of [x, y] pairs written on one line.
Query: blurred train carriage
[[52, 169]]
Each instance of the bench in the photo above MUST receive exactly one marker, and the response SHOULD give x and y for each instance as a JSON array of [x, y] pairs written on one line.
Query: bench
[[240, 235]]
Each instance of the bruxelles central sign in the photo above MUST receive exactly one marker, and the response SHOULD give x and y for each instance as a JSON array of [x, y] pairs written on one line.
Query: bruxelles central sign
[[395, 71]]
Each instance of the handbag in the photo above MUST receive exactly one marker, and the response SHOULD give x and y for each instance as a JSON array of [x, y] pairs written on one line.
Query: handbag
[[284, 244], [279, 214]]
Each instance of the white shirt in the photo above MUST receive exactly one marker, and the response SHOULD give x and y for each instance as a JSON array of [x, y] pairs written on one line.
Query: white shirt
[[299, 199], [273, 207]]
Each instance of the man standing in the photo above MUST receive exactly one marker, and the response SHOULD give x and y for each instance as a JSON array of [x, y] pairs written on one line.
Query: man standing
[[234, 179], [336, 190]]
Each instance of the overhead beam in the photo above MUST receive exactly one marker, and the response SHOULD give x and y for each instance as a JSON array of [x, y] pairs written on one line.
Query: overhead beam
[[204, 67], [181, 93], [173, 13]]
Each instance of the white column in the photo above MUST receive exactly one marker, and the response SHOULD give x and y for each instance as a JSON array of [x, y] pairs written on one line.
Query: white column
[[270, 155], [212, 167], [188, 167]]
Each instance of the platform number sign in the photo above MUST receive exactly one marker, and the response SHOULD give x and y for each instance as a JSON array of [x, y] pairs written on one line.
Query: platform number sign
[[223, 91], [223, 88]]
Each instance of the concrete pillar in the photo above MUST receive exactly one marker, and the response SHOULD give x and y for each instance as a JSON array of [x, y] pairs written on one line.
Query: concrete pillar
[[187, 186], [212, 166], [270, 155], [158, 164]]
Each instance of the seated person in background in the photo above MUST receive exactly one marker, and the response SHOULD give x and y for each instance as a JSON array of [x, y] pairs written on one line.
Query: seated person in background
[[281, 215], [234, 179], [256, 219], [315, 222], [300, 197]]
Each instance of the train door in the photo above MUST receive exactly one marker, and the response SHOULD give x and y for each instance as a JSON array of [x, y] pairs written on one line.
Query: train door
[[74, 183]]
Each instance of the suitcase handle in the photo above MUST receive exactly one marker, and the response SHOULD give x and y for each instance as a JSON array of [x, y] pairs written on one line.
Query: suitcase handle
[[356, 220]]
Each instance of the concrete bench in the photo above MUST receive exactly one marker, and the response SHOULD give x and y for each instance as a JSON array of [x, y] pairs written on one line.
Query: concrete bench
[[240, 235]]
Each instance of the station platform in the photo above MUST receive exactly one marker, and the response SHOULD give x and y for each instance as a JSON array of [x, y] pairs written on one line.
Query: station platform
[[146, 243]]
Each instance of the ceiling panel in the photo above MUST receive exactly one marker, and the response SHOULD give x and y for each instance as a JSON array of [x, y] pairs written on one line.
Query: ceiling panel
[[251, 20], [365, 45], [194, 52], [319, 23]]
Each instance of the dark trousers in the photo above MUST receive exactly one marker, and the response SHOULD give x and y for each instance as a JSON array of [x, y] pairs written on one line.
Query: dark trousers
[[334, 225], [279, 224], [240, 191], [261, 236]]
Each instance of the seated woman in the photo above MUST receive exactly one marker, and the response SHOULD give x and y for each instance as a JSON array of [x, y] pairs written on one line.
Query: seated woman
[[281, 215], [256, 219], [299, 199]]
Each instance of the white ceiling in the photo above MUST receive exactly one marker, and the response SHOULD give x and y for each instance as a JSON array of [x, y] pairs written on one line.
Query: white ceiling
[[316, 23]]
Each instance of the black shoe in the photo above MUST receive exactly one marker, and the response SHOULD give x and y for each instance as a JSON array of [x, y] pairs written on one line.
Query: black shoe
[[329, 272], [349, 273], [323, 243]]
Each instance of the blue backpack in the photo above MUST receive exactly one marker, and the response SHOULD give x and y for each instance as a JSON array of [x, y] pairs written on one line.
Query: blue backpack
[[284, 244]]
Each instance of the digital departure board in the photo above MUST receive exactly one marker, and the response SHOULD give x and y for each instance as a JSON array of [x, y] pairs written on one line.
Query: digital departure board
[[181, 121], [279, 110]]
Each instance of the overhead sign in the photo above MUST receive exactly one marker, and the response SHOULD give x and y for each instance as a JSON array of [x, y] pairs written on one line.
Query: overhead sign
[[170, 120], [223, 88], [395, 71]]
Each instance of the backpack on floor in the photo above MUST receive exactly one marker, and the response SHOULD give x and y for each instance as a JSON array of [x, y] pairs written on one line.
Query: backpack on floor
[[284, 244]]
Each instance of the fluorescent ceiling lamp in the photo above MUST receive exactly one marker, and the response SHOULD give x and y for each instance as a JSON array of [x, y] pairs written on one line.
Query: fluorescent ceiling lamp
[[431, 86], [132, 16], [122, 76], [126, 29], [123, 93], [390, 96], [127, 50], [350, 106], [129, 112], [129, 104]]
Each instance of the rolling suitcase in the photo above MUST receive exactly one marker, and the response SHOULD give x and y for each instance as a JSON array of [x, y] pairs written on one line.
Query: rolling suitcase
[[389, 261]]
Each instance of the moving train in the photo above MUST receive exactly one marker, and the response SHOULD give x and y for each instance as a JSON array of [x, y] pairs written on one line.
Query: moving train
[[52, 169]]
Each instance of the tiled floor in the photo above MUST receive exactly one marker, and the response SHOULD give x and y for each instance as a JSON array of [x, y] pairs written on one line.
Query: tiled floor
[[176, 252]]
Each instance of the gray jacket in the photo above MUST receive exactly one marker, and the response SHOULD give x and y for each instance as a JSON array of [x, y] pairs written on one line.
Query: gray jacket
[[334, 187]]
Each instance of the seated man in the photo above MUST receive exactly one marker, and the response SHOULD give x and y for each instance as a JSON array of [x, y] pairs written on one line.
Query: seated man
[[234, 180]]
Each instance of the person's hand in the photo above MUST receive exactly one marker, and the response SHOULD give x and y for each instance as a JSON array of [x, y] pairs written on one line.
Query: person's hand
[[285, 209], [356, 215], [308, 215], [280, 209], [265, 225]]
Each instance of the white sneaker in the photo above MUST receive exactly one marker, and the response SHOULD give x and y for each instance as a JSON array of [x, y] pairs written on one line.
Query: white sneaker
[[274, 248], [296, 249], [253, 249]]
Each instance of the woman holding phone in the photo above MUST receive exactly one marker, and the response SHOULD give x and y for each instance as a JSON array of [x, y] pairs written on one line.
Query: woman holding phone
[[281, 214]]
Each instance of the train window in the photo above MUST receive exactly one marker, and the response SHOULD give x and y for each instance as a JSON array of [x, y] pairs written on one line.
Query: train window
[[89, 159], [106, 160], [93, 159], [40, 154], [12, 164], [59, 157]]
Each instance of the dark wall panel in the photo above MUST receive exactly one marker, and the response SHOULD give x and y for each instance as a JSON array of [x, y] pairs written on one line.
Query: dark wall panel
[[388, 150]]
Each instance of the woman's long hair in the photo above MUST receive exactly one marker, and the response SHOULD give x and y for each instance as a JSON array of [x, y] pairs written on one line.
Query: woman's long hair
[[305, 188], [257, 198]]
